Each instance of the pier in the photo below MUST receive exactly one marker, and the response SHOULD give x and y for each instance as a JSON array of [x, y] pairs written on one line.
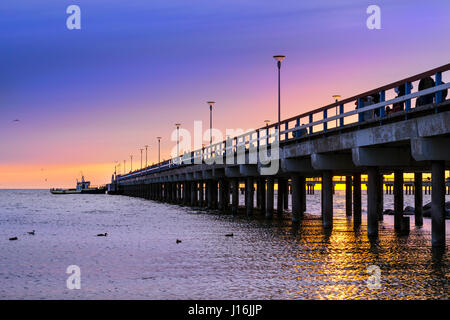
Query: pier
[[347, 138]]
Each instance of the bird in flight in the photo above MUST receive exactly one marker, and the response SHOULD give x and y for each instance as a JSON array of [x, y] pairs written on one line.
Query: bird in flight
[[16, 120]]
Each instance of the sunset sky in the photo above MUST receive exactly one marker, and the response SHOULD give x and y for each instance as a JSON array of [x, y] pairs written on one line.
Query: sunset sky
[[86, 98]]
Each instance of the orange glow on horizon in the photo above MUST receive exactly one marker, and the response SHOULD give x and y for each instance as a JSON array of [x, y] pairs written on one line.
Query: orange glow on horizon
[[44, 176]]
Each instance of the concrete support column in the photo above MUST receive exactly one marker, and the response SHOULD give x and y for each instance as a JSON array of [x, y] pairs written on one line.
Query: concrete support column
[[193, 193], [372, 202], [220, 199], [380, 197], [298, 189], [209, 193], [249, 195], [348, 196], [262, 195], [215, 197], [235, 196], [286, 194], [280, 196], [258, 193], [356, 200], [270, 197], [174, 192], [200, 194], [226, 194], [327, 202], [438, 203], [398, 199], [418, 199]]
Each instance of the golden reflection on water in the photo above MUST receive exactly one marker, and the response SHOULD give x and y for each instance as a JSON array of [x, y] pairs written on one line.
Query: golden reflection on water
[[332, 264]]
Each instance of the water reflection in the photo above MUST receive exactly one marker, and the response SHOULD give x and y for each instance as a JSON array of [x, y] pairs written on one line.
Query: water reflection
[[263, 260]]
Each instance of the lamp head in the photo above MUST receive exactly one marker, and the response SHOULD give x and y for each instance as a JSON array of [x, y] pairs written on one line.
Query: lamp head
[[177, 125], [211, 103], [279, 58], [336, 97]]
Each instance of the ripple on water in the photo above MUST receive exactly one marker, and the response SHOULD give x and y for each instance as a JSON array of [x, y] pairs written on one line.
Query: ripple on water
[[139, 259]]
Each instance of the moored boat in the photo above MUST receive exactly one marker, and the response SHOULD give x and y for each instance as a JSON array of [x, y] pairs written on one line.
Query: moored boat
[[83, 187]]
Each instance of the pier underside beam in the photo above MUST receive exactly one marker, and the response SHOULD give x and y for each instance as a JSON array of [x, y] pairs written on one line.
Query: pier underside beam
[[327, 162], [297, 165], [368, 157], [431, 149]]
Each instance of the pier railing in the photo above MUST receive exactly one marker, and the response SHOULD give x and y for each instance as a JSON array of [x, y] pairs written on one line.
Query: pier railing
[[368, 106]]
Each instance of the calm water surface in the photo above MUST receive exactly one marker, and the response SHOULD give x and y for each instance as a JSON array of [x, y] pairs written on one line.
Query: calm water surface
[[264, 260]]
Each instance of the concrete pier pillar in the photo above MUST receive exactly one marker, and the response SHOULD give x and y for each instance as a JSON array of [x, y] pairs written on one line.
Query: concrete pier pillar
[[438, 203], [235, 196], [187, 199], [209, 193], [298, 189], [372, 201], [280, 196], [226, 197], [258, 193], [270, 197], [194, 193], [249, 192], [418, 199], [220, 204], [178, 191], [348, 196], [174, 192], [380, 197], [356, 200], [327, 202], [398, 199], [262, 195], [286, 194], [200, 194], [215, 190]]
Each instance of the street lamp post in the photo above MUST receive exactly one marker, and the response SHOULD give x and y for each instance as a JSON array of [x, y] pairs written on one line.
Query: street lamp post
[[141, 157], [211, 103], [279, 58], [124, 166], [131, 162], [336, 98], [159, 151], [178, 140], [267, 131], [146, 147]]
